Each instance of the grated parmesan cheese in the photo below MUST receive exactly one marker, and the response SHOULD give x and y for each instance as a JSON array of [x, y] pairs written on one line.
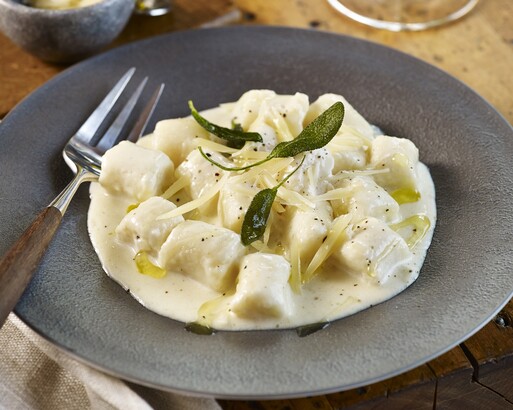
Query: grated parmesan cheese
[[196, 203]]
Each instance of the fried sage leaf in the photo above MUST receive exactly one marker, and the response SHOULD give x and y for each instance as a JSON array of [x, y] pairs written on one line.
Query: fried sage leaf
[[255, 220], [316, 135], [236, 137]]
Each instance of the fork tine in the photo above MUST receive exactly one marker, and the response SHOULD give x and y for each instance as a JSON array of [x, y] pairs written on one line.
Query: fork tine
[[87, 131], [145, 116], [112, 134]]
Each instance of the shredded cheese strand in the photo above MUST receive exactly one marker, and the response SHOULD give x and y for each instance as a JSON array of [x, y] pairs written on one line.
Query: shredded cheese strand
[[295, 267], [345, 128], [294, 198], [332, 195], [267, 180], [334, 237], [280, 125], [285, 195], [248, 153], [179, 184], [273, 166], [261, 247], [196, 203], [359, 172]]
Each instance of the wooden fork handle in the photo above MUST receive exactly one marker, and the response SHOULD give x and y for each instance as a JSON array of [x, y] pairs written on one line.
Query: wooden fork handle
[[19, 263]]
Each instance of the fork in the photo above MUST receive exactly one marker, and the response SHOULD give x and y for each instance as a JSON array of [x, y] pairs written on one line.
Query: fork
[[84, 157]]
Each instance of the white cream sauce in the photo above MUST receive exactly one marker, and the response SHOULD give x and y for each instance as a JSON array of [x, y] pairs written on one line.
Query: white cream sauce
[[330, 295]]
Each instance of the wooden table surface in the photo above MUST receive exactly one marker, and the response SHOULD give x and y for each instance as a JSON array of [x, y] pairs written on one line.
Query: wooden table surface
[[478, 50]]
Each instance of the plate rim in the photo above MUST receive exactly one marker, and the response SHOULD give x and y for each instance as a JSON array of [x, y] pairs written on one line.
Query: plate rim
[[71, 71]]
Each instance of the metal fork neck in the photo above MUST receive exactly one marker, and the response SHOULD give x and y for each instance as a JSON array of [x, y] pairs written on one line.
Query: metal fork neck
[[62, 201]]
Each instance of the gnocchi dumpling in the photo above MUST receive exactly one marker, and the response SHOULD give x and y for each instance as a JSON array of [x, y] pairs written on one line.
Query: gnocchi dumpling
[[308, 229], [362, 197], [142, 230], [400, 156], [136, 171], [375, 252], [311, 179], [349, 151], [208, 254], [176, 137], [286, 113], [246, 110], [234, 200], [262, 288], [268, 134], [201, 174]]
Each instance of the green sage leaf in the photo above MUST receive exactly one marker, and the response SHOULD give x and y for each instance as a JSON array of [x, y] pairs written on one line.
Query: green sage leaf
[[255, 220], [236, 137], [316, 135]]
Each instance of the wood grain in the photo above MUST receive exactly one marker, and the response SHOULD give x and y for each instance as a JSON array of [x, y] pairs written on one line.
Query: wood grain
[[19, 263], [491, 352], [477, 50]]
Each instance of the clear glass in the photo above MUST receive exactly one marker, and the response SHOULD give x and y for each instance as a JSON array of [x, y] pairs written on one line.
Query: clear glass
[[153, 7], [403, 15]]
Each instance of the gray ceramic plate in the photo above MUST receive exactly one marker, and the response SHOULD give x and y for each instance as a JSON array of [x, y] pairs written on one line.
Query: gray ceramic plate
[[465, 281]]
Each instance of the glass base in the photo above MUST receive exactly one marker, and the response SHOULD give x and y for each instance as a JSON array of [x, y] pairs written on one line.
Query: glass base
[[403, 15]]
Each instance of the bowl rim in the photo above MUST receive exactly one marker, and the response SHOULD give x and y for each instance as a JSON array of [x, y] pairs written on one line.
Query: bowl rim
[[19, 6]]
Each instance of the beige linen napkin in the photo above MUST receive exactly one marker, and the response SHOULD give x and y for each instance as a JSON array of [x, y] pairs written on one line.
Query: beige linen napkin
[[34, 374]]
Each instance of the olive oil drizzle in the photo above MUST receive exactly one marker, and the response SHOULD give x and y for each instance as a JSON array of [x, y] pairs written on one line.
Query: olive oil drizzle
[[146, 267], [405, 195], [131, 207], [420, 225]]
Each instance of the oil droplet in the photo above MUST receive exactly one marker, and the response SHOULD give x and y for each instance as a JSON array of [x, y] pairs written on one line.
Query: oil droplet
[[420, 225], [405, 195], [131, 208], [146, 267]]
